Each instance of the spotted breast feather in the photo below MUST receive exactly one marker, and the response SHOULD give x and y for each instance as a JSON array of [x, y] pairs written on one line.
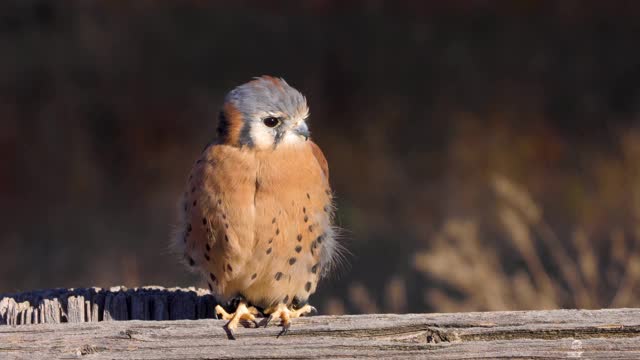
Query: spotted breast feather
[[258, 224]]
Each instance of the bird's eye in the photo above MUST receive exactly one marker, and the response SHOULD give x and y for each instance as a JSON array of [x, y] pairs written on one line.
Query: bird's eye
[[271, 121]]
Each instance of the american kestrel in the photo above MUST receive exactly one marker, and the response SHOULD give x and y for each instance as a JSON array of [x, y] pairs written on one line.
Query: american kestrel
[[256, 217]]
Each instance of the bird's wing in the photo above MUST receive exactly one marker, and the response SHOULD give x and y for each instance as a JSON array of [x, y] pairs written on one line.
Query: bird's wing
[[322, 161], [218, 215]]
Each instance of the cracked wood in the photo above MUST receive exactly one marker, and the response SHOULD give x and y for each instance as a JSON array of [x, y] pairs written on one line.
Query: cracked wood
[[572, 334]]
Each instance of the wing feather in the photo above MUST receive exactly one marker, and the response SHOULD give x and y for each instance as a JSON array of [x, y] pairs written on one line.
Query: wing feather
[[216, 217], [322, 161]]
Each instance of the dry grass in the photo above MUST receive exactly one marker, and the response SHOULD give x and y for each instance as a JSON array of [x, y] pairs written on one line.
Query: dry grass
[[551, 275], [511, 254]]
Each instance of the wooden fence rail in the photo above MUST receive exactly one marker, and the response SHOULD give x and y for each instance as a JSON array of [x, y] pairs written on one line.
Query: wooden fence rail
[[95, 304], [69, 326]]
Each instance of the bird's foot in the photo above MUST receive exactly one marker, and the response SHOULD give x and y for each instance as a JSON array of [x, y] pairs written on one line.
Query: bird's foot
[[285, 315], [242, 313]]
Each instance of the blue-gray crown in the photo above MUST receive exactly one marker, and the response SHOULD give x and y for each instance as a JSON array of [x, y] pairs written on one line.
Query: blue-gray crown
[[267, 94]]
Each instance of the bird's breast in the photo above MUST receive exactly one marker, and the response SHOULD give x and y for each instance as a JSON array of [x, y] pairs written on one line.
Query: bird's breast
[[291, 222]]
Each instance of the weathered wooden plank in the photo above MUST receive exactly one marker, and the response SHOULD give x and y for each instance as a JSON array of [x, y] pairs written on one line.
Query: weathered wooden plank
[[139, 307], [601, 334], [183, 306], [95, 304]]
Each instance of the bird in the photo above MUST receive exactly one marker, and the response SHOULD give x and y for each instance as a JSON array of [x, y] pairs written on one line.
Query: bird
[[256, 217]]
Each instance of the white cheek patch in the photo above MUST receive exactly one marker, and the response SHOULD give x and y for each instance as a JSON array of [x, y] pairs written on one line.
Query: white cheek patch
[[262, 136], [291, 138]]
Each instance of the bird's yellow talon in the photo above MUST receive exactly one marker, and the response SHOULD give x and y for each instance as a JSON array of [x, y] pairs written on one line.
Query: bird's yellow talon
[[242, 313], [222, 313], [285, 315]]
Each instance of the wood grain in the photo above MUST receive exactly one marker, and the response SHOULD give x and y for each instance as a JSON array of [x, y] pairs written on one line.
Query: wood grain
[[54, 306], [557, 334]]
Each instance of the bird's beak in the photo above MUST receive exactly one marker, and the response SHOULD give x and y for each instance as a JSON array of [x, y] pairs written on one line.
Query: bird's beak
[[302, 129]]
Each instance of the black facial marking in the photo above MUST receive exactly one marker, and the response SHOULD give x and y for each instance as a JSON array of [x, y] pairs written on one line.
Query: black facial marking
[[210, 287], [245, 135], [298, 248], [224, 216], [193, 189], [326, 209], [269, 251], [320, 238], [229, 267], [279, 134], [226, 225], [278, 276], [299, 237], [273, 221], [328, 192], [254, 276], [219, 201], [213, 277], [292, 261], [195, 202], [304, 210], [308, 197], [307, 286], [189, 228], [270, 240], [286, 299], [310, 228], [314, 269], [226, 238], [191, 262], [278, 231], [223, 126], [206, 256], [306, 218], [208, 247], [204, 221]]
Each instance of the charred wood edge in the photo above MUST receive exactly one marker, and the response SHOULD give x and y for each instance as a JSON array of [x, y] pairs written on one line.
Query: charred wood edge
[[52, 306]]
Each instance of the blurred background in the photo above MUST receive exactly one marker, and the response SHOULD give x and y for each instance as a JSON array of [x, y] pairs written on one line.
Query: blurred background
[[485, 155]]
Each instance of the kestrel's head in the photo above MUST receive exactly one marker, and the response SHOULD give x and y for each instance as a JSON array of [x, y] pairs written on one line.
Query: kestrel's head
[[263, 114]]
